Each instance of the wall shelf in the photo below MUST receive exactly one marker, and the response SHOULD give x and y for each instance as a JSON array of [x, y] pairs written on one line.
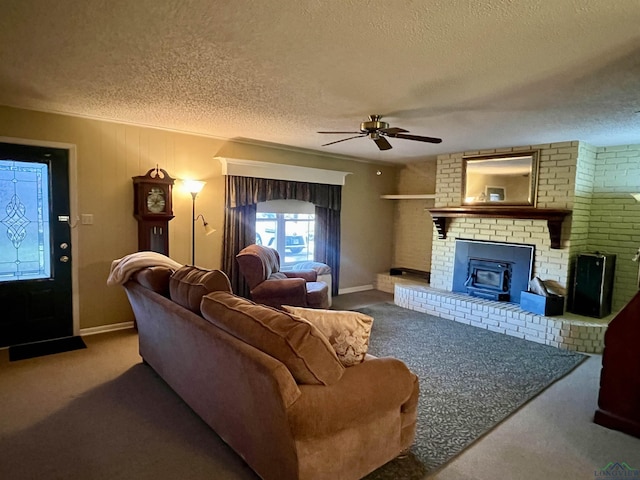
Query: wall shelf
[[421, 196], [554, 217]]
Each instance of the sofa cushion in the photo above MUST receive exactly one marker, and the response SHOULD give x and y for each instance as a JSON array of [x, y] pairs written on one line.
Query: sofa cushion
[[298, 344], [189, 284], [154, 278], [348, 332]]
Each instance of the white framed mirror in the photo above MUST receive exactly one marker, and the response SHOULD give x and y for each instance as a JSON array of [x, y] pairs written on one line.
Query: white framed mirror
[[500, 179]]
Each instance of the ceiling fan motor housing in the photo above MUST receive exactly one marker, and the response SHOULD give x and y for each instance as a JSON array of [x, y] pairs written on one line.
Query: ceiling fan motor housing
[[373, 125]]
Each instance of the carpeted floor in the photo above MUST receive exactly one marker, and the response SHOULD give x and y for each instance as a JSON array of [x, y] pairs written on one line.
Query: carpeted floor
[[470, 379], [99, 413]]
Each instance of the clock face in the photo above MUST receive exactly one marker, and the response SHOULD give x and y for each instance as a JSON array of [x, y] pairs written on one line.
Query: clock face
[[156, 201]]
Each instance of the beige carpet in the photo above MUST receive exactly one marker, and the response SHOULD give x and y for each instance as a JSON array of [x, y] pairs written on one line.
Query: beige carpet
[[99, 413]]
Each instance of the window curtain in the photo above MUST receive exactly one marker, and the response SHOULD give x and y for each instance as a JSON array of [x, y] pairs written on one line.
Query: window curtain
[[242, 194]]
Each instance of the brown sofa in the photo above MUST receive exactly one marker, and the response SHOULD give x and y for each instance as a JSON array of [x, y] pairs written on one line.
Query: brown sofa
[[292, 413]]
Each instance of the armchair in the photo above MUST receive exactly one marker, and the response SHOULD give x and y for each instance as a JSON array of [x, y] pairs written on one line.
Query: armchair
[[260, 266]]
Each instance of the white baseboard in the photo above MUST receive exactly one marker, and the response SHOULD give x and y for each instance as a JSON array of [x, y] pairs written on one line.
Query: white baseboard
[[362, 288], [105, 328]]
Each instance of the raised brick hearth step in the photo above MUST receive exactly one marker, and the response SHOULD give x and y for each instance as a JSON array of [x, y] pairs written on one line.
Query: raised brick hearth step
[[568, 331]]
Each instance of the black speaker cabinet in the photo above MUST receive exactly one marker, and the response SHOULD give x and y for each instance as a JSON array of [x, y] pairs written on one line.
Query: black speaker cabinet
[[593, 284]]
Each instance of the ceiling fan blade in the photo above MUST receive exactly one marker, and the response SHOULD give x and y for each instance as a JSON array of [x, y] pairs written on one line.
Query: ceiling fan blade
[[415, 137], [344, 139], [393, 130], [343, 133], [383, 143]]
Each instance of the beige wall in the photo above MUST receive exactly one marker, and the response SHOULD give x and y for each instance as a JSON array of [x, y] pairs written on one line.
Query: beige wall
[[109, 154], [413, 227]]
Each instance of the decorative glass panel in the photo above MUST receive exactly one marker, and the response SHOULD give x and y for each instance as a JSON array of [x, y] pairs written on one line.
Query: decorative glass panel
[[25, 251]]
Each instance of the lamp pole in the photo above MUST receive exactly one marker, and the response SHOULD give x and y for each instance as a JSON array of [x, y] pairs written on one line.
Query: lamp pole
[[193, 187], [193, 227]]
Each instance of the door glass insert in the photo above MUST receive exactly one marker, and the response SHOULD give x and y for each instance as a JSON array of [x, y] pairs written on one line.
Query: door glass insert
[[25, 250]]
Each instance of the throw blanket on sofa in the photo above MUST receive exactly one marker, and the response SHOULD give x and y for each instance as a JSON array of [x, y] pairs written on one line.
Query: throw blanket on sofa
[[123, 268]]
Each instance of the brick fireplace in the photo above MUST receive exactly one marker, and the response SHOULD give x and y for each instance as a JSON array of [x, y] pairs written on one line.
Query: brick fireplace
[[558, 181], [565, 174]]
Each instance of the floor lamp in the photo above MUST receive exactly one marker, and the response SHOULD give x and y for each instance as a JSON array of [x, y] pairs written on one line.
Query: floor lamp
[[194, 187]]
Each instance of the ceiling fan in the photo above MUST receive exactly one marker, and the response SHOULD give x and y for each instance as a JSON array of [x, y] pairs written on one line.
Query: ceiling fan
[[377, 130]]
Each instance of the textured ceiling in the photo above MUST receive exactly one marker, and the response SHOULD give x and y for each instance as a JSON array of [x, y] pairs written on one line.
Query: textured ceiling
[[478, 74]]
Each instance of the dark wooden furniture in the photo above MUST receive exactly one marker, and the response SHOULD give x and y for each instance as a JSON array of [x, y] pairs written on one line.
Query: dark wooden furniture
[[554, 217], [593, 284], [619, 398], [153, 208]]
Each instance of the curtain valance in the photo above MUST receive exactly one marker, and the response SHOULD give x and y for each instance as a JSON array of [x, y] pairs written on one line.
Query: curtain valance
[[245, 191]]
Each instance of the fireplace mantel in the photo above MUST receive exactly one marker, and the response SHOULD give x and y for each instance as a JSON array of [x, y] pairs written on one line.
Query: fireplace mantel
[[554, 217]]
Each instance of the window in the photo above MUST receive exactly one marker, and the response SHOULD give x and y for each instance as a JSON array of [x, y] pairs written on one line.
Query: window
[[288, 227]]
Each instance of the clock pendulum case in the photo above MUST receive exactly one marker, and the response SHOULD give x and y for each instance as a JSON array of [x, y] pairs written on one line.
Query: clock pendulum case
[[153, 209]]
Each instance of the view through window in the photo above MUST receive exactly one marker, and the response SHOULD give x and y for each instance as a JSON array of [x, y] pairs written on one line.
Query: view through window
[[291, 234]]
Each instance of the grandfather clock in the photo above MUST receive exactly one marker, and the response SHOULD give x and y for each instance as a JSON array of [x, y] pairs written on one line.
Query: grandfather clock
[[153, 209]]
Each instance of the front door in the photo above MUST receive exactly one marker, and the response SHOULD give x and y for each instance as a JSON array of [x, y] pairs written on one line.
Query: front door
[[35, 244]]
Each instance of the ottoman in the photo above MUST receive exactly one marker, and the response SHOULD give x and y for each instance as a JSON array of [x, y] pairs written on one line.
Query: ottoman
[[323, 270]]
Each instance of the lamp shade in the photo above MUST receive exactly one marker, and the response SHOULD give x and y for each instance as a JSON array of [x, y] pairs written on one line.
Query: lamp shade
[[193, 186], [208, 229], [636, 196]]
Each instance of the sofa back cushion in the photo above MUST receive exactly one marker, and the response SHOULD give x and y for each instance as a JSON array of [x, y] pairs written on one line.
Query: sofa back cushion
[[154, 278], [298, 344], [189, 284]]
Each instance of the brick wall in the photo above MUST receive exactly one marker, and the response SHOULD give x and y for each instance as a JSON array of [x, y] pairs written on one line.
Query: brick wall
[[614, 223]]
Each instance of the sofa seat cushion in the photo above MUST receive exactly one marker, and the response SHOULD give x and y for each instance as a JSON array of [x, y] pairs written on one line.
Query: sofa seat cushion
[[298, 344], [317, 295], [189, 284], [348, 332]]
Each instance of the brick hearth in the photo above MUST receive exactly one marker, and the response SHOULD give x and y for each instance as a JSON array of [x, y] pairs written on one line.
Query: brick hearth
[[568, 331]]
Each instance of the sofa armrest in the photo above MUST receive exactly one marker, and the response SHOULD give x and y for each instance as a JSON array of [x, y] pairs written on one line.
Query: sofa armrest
[[308, 275], [365, 391]]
